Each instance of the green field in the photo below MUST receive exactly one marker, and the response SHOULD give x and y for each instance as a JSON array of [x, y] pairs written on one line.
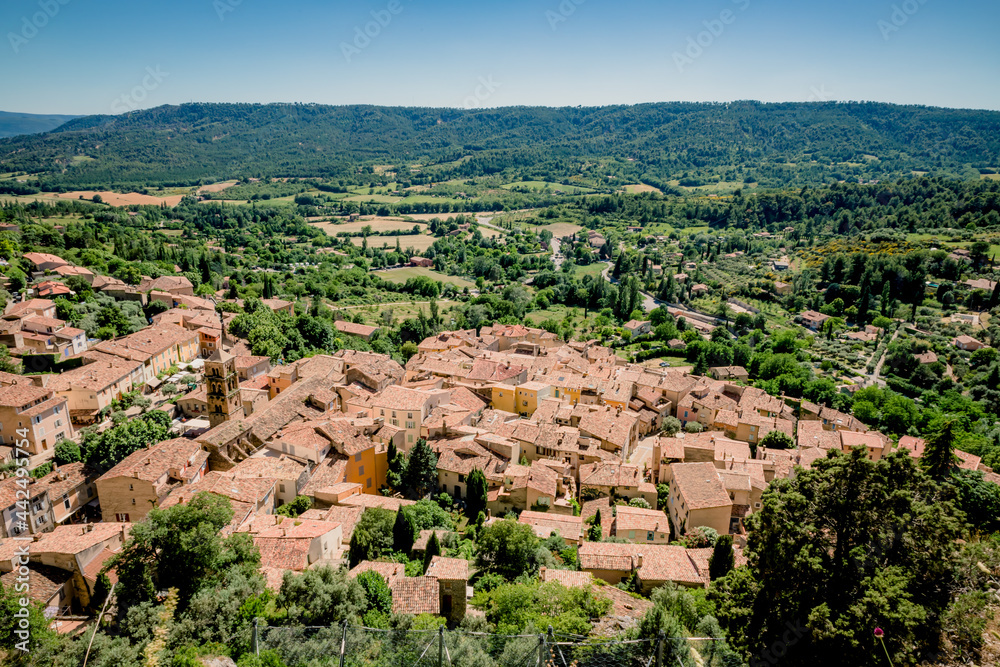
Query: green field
[[540, 186], [402, 275], [594, 269]]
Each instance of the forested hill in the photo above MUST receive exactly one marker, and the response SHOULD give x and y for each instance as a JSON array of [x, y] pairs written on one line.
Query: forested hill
[[13, 124], [770, 143]]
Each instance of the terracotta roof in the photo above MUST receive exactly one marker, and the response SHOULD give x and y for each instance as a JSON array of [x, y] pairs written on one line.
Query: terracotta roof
[[699, 485], [74, 539], [353, 329], [416, 595], [452, 569], [659, 562], [43, 582], [167, 457], [638, 518], [369, 500], [568, 578], [389, 571], [545, 523]]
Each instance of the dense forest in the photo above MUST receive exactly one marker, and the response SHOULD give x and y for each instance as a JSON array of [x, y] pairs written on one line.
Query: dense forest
[[699, 143]]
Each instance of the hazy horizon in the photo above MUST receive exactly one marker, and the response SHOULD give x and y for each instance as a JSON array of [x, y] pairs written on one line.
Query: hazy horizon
[[66, 57]]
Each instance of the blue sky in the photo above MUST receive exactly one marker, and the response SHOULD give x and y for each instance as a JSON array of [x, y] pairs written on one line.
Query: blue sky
[[107, 56]]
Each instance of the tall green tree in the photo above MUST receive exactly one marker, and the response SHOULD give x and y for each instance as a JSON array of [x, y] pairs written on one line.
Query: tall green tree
[[433, 549], [180, 547], [403, 533], [939, 451], [475, 490], [722, 560], [421, 469], [837, 550]]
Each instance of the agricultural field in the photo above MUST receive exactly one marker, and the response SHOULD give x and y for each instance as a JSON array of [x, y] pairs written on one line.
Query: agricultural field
[[640, 188], [419, 242], [377, 224], [542, 186], [404, 274]]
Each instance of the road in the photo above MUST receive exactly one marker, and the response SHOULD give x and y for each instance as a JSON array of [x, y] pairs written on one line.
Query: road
[[878, 367], [557, 256], [648, 301]]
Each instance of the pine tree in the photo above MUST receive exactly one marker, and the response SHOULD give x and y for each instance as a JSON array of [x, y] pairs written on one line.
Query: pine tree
[[403, 533], [476, 489], [421, 469], [722, 559], [433, 549], [939, 451]]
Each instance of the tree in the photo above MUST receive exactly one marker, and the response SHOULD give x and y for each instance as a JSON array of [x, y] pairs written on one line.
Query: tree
[[321, 596], [426, 514], [372, 537], [849, 544], [506, 547], [403, 533], [433, 549], [777, 440], [421, 469], [671, 426], [722, 559], [66, 451], [639, 502], [180, 547], [939, 451], [297, 506], [475, 490], [396, 468], [378, 596]]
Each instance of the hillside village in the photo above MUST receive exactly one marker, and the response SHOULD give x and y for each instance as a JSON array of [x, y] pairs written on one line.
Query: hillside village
[[633, 465]]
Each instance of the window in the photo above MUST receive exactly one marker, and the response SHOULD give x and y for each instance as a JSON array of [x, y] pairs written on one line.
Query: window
[[631, 534], [133, 501], [410, 425], [524, 403], [361, 470], [357, 457], [649, 536], [410, 438], [130, 488], [281, 488], [66, 503], [369, 484], [61, 435], [394, 414], [409, 415], [58, 423]]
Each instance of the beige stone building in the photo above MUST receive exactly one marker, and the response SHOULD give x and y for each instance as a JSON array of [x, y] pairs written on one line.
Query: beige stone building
[[145, 478], [33, 417], [698, 498]]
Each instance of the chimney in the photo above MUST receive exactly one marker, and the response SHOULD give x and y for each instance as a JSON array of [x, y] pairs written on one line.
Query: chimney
[[638, 561], [90, 527]]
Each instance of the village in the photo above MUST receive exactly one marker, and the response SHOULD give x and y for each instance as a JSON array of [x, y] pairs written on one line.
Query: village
[[572, 439]]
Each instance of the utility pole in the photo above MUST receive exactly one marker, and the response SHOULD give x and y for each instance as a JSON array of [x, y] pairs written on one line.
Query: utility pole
[[441, 646]]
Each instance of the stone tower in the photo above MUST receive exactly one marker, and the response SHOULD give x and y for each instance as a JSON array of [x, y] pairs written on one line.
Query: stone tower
[[223, 388]]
